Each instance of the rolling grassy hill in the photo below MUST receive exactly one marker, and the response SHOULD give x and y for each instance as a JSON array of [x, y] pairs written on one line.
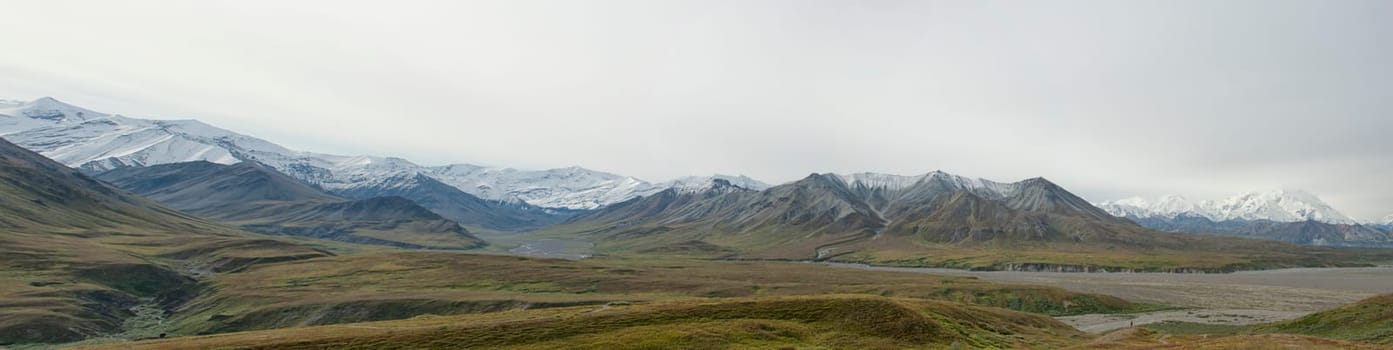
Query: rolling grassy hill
[[394, 285], [1369, 321], [1142, 338], [835, 321], [76, 254], [1367, 324]]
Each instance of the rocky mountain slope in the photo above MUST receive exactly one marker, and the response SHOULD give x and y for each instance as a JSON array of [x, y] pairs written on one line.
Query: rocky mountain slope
[[79, 254], [260, 199], [97, 142]]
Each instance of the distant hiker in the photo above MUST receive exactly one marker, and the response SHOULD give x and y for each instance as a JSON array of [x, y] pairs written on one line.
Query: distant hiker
[[1131, 323], [162, 335]]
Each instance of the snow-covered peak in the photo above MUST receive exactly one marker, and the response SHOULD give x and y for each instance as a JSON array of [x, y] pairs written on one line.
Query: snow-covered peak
[[1387, 220], [1281, 205], [48, 108], [1135, 202], [878, 180], [896, 182], [18, 116], [1275, 205], [570, 187], [1175, 205], [693, 184], [900, 182], [374, 163], [1128, 207], [1167, 206]]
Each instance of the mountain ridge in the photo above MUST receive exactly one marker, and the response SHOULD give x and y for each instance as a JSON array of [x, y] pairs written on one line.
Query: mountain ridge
[[1274, 205], [1291, 216], [935, 219], [258, 198], [97, 142]]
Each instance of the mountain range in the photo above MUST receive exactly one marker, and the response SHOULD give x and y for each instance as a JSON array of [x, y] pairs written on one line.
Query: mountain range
[[260, 199], [934, 219], [1283, 215], [1275, 205], [96, 142], [165, 217], [487, 199]]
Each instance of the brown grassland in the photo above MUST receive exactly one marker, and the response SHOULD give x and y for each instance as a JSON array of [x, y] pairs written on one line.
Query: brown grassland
[[394, 285]]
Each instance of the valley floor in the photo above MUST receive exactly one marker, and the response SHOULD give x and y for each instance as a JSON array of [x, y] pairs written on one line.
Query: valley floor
[[1239, 298], [1231, 299]]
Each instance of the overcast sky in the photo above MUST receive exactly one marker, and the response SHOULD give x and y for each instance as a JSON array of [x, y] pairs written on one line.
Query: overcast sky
[[1108, 98]]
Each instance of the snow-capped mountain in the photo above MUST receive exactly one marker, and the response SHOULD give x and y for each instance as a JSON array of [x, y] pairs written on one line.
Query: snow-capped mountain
[[1276, 205], [1282, 205], [96, 142], [898, 182], [571, 188], [695, 184], [1168, 206]]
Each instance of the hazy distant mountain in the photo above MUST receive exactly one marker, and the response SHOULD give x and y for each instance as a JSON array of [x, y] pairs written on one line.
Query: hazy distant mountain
[[1276, 205], [1301, 232], [258, 198], [79, 254], [457, 205], [97, 142], [1281, 215], [1317, 233]]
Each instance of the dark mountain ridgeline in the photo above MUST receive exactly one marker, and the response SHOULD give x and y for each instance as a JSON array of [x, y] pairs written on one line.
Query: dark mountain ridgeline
[[457, 205], [258, 198]]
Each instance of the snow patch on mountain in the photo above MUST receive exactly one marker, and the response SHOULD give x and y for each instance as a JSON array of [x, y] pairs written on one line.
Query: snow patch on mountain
[[1275, 205], [900, 182], [1281, 205], [19, 116], [879, 180], [696, 184], [572, 188]]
